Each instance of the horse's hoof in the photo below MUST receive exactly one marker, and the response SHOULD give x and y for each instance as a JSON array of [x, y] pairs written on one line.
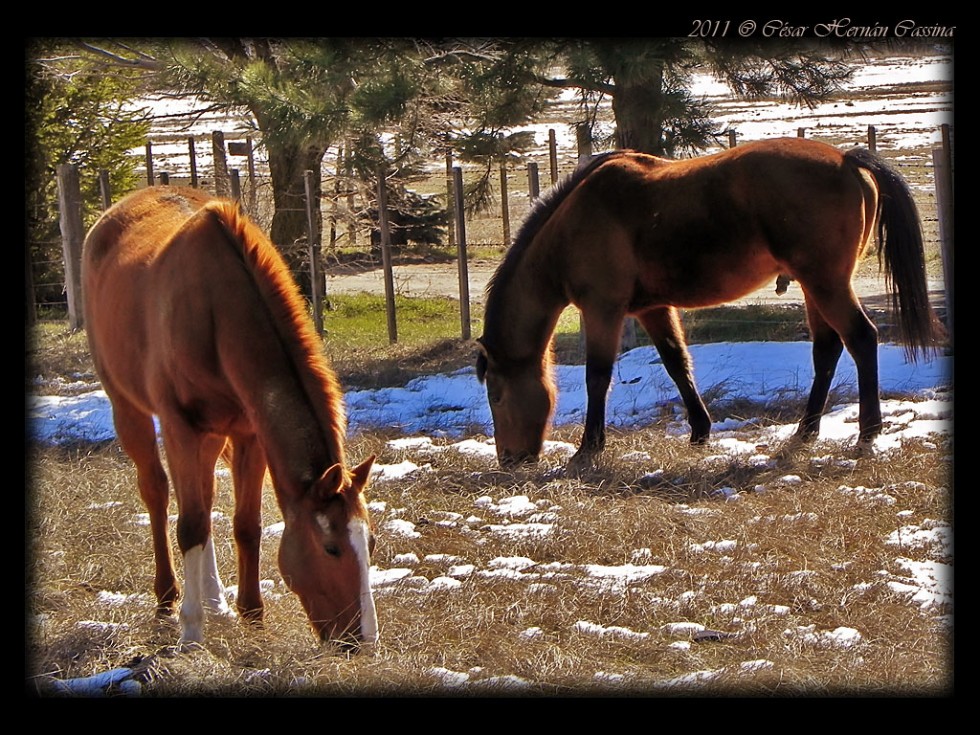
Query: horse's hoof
[[583, 461], [253, 618], [865, 447], [188, 646], [806, 437]]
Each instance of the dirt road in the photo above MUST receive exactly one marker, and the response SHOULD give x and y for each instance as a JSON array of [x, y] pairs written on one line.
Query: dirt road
[[442, 279]]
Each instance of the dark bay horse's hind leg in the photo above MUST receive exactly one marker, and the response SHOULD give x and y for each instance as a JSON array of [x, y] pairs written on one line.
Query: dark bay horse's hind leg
[[664, 327], [138, 438], [836, 322], [827, 349]]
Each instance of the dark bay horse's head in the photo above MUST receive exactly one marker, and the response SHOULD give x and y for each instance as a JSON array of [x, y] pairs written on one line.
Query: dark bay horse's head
[[522, 399], [325, 555]]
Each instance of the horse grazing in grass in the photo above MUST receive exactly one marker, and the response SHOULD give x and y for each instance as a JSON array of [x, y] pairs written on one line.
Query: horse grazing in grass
[[632, 234], [192, 316]]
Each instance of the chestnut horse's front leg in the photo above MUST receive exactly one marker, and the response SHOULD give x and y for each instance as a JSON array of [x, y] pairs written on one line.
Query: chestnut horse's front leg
[[191, 456], [248, 469]]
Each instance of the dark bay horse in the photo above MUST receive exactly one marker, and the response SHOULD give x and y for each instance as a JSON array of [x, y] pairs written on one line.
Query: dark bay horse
[[192, 316], [632, 234]]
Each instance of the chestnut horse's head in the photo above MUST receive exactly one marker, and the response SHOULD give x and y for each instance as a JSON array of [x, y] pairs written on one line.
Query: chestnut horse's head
[[325, 556], [522, 399]]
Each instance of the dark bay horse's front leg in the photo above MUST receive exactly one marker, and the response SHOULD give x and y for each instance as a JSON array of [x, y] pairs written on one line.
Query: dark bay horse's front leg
[[664, 327], [602, 335]]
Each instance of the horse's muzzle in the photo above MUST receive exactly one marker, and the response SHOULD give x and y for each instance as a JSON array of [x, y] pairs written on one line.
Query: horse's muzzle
[[347, 643]]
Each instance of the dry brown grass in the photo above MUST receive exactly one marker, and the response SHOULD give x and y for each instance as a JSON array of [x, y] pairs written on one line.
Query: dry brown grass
[[795, 555]]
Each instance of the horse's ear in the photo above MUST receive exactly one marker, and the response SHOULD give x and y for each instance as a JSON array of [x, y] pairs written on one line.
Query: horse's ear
[[360, 474], [330, 483], [481, 361]]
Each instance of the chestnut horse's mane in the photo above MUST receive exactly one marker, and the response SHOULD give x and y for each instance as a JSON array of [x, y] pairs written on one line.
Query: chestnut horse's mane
[[290, 315]]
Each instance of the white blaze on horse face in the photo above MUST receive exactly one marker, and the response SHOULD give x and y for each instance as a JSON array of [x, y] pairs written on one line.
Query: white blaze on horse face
[[360, 536]]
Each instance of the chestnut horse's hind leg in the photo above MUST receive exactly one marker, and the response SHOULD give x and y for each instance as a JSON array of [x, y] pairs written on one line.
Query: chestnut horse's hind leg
[[664, 327], [248, 470], [138, 438], [836, 321]]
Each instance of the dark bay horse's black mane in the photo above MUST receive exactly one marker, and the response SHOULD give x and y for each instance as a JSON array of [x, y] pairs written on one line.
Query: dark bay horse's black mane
[[540, 213]]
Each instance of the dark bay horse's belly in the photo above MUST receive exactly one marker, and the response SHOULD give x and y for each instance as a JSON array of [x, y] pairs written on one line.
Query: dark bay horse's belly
[[694, 275]]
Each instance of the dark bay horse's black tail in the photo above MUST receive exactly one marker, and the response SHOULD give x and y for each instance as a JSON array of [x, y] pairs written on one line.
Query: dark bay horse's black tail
[[901, 251]]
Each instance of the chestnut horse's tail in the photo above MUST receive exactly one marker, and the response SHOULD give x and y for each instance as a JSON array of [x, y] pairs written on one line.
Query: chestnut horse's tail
[[901, 251]]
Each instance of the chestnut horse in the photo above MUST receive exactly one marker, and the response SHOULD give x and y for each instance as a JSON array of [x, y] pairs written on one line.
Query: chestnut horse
[[632, 234], [192, 316]]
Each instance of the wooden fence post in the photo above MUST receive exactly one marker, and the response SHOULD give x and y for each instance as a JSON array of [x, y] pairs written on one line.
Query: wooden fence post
[[583, 139], [335, 201], [553, 155], [30, 310], [731, 139], [463, 268], [105, 191], [235, 185], [505, 203], [314, 251], [872, 139], [149, 163], [192, 153], [450, 199], [386, 256], [251, 175], [532, 180], [941, 158], [72, 234], [164, 178], [348, 168], [220, 163]]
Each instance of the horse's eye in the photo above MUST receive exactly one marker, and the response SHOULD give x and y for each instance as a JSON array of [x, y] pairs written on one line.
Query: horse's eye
[[494, 393], [332, 550]]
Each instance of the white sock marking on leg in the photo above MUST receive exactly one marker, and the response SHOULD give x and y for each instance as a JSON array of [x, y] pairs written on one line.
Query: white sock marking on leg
[[191, 609], [212, 589]]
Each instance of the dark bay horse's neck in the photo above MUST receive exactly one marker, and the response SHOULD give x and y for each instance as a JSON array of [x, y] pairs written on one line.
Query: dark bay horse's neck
[[527, 311]]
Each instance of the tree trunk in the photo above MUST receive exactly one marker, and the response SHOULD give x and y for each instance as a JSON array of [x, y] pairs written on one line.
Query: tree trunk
[[288, 162], [638, 106]]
